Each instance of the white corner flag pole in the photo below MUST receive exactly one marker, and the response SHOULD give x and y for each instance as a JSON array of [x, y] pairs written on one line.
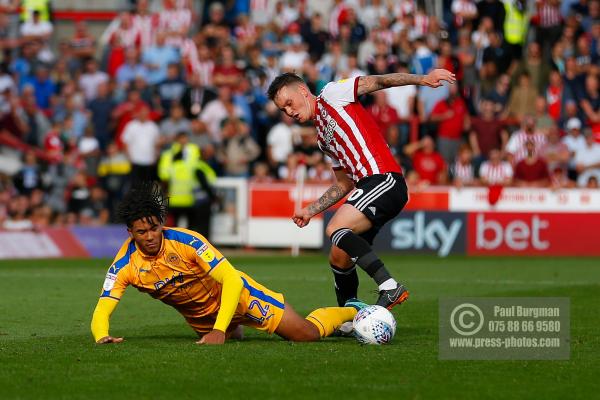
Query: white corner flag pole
[[300, 176]]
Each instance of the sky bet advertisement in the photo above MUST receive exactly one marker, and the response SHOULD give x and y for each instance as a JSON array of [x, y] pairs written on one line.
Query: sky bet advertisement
[[489, 233]]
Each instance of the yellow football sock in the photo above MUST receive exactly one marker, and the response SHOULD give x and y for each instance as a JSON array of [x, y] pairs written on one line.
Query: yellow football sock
[[329, 319]]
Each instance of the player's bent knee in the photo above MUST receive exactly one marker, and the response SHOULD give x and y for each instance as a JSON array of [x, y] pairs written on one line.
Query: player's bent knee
[[339, 258]]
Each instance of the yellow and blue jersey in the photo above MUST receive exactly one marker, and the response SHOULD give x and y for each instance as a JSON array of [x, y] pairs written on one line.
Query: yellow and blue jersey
[[181, 275]]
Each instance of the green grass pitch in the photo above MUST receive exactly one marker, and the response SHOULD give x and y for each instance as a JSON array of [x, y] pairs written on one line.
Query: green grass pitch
[[46, 350]]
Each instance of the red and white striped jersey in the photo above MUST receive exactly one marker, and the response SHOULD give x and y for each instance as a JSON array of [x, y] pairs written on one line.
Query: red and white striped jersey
[[349, 135], [496, 174], [463, 172], [516, 144], [146, 26]]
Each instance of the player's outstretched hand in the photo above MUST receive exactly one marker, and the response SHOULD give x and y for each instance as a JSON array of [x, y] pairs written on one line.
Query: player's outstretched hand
[[436, 78], [213, 337], [302, 218], [109, 339]]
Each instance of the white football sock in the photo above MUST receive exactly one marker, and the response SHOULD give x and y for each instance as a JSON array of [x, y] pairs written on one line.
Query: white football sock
[[389, 284]]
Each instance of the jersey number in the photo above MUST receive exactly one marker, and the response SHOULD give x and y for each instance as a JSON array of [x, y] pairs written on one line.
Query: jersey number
[[357, 193], [263, 311]]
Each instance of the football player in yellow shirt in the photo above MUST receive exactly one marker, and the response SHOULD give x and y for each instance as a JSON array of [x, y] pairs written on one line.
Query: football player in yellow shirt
[[182, 269]]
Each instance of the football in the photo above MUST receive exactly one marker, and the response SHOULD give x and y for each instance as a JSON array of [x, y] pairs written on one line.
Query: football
[[374, 325]]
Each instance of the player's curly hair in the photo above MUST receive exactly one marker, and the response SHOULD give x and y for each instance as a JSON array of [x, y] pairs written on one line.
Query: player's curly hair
[[282, 80], [144, 200]]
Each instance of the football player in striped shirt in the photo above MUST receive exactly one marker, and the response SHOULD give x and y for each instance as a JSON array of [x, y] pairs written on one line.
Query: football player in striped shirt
[[363, 165], [182, 269]]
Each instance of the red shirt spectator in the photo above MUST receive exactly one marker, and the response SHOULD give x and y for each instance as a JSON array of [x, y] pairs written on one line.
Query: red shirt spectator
[[532, 170], [384, 114], [428, 164], [451, 114], [487, 132]]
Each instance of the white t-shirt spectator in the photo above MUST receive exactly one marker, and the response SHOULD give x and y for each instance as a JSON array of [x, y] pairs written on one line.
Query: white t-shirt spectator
[[89, 83], [589, 155], [141, 139], [399, 96], [213, 114], [279, 139], [42, 28], [293, 60], [574, 144], [495, 174]]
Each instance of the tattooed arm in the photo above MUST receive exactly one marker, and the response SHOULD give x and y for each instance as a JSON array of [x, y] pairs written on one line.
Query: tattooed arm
[[371, 83], [335, 193]]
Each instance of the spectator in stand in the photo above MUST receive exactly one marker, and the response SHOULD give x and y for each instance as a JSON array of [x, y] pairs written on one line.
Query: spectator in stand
[[141, 139], [130, 69], [261, 173], [587, 161], [535, 66], [463, 169], [238, 150], [495, 61], [126, 111], [88, 149], [590, 104], [29, 177], [43, 86], [171, 89], [516, 147], [429, 167], [306, 146], [78, 195], [82, 43], [195, 97], [315, 36], [101, 109], [543, 120], [218, 110], [555, 152], [382, 112], [557, 95], [113, 173], [495, 171], [39, 30], [531, 171], [280, 141], [226, 72], [91, 78], [548, 22], [201, 138], [487, 132], [560, 180], [403, 100], [157, 58], [32, 118], [522, 99], [175, 123], [320, 173], [452, 117], [96, 210], [18, 218], [294, 55], [574, 142], [499, 95], [288, 171], [586, 63], [573, 80]]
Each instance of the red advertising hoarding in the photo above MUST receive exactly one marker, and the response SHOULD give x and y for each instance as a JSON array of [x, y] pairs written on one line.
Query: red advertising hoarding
[[533, 234]]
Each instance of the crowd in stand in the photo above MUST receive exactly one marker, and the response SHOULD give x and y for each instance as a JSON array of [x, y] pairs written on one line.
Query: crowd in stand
[[87, 115]]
